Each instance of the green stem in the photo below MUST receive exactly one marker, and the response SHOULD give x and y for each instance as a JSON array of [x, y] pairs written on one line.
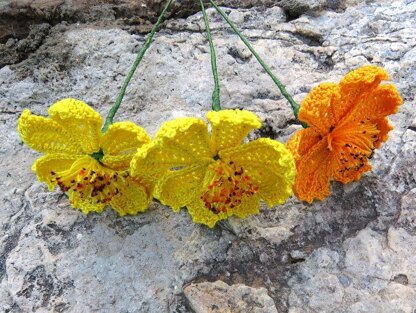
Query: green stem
[[295, 106], [113, 110], [216, 106]]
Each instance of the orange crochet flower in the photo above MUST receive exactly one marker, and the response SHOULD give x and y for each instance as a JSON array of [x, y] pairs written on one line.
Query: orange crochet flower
[[347, 121]]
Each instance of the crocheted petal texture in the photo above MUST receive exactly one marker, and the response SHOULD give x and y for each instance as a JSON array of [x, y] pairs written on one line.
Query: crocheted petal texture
[[80, 121], [120, 143], [302, 141], [358, 85], [178, 143], [352, 172], [179, 188], [351, 145], [186, 135], [85, 204], [269, 165], [133, 197], [202, 215], [314, 173], [384, 127], [48, 165], [319, 107], [46, 135], [379, 102], [91, 186], [230, 127]]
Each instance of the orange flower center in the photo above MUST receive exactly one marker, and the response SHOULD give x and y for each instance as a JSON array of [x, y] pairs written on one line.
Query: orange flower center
[[90, 180], [353, 143], [229, 185]]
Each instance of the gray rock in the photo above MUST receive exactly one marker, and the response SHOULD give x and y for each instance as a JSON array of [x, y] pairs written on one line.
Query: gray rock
[[353, 252], [220, 297]]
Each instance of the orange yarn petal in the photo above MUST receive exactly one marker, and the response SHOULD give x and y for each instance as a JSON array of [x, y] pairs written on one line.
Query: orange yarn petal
[[358, 85], [384, 127], [314, 173], [302, 141], [354, 172], [317, 110], [379, 102]]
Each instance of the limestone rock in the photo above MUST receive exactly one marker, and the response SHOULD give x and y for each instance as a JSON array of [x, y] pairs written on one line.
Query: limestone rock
[[353, 252], [220, 297]]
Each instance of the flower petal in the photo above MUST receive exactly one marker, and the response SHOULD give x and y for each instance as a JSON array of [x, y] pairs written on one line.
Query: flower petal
[[120, 142], [134, 197], [45, 135], [80, 120], [179, 188], [317, 109], [379, 102], [178, 143], [270, 166], [123, 138], [384, 127], [48, 165], [200, 214], [84, 204], [314, 173], [303, 140], [187, 135], [357, 85], [353, 172], [230, 127]]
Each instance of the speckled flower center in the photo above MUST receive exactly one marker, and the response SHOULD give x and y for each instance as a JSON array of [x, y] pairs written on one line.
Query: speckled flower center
[[90, 179], [354, 143], [229, 185]]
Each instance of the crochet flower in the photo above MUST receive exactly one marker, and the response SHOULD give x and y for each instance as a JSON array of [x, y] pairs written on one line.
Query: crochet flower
[[92, 167], [214, 175], [346, 123]]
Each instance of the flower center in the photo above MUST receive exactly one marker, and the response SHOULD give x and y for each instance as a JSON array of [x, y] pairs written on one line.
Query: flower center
[[229, 185], [354, 143], [90, 180]]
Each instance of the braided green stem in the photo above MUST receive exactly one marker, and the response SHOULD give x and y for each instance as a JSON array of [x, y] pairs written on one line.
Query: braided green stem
[[295, 106], [216, 106], [113, 110]]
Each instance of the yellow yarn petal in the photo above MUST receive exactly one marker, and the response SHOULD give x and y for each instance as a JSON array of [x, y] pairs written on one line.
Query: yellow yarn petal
[[230, 127], [178, 188], [120, 142], [134, 197], [178, 143], [117, 162], [200, 214], [84, 204], [80, 120], [123, 138], [45, 135], [187, 135], [268, 164], [48, 165]]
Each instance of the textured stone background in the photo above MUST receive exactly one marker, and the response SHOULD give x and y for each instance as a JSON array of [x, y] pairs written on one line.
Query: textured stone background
[[354, 252]]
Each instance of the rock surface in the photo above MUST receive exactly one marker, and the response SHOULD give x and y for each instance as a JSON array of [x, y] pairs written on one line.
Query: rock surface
[[354, 252], [219, 297]]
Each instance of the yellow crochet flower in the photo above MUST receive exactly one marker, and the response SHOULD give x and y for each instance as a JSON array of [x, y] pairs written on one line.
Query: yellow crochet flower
[[214, 175], [93, 167]]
